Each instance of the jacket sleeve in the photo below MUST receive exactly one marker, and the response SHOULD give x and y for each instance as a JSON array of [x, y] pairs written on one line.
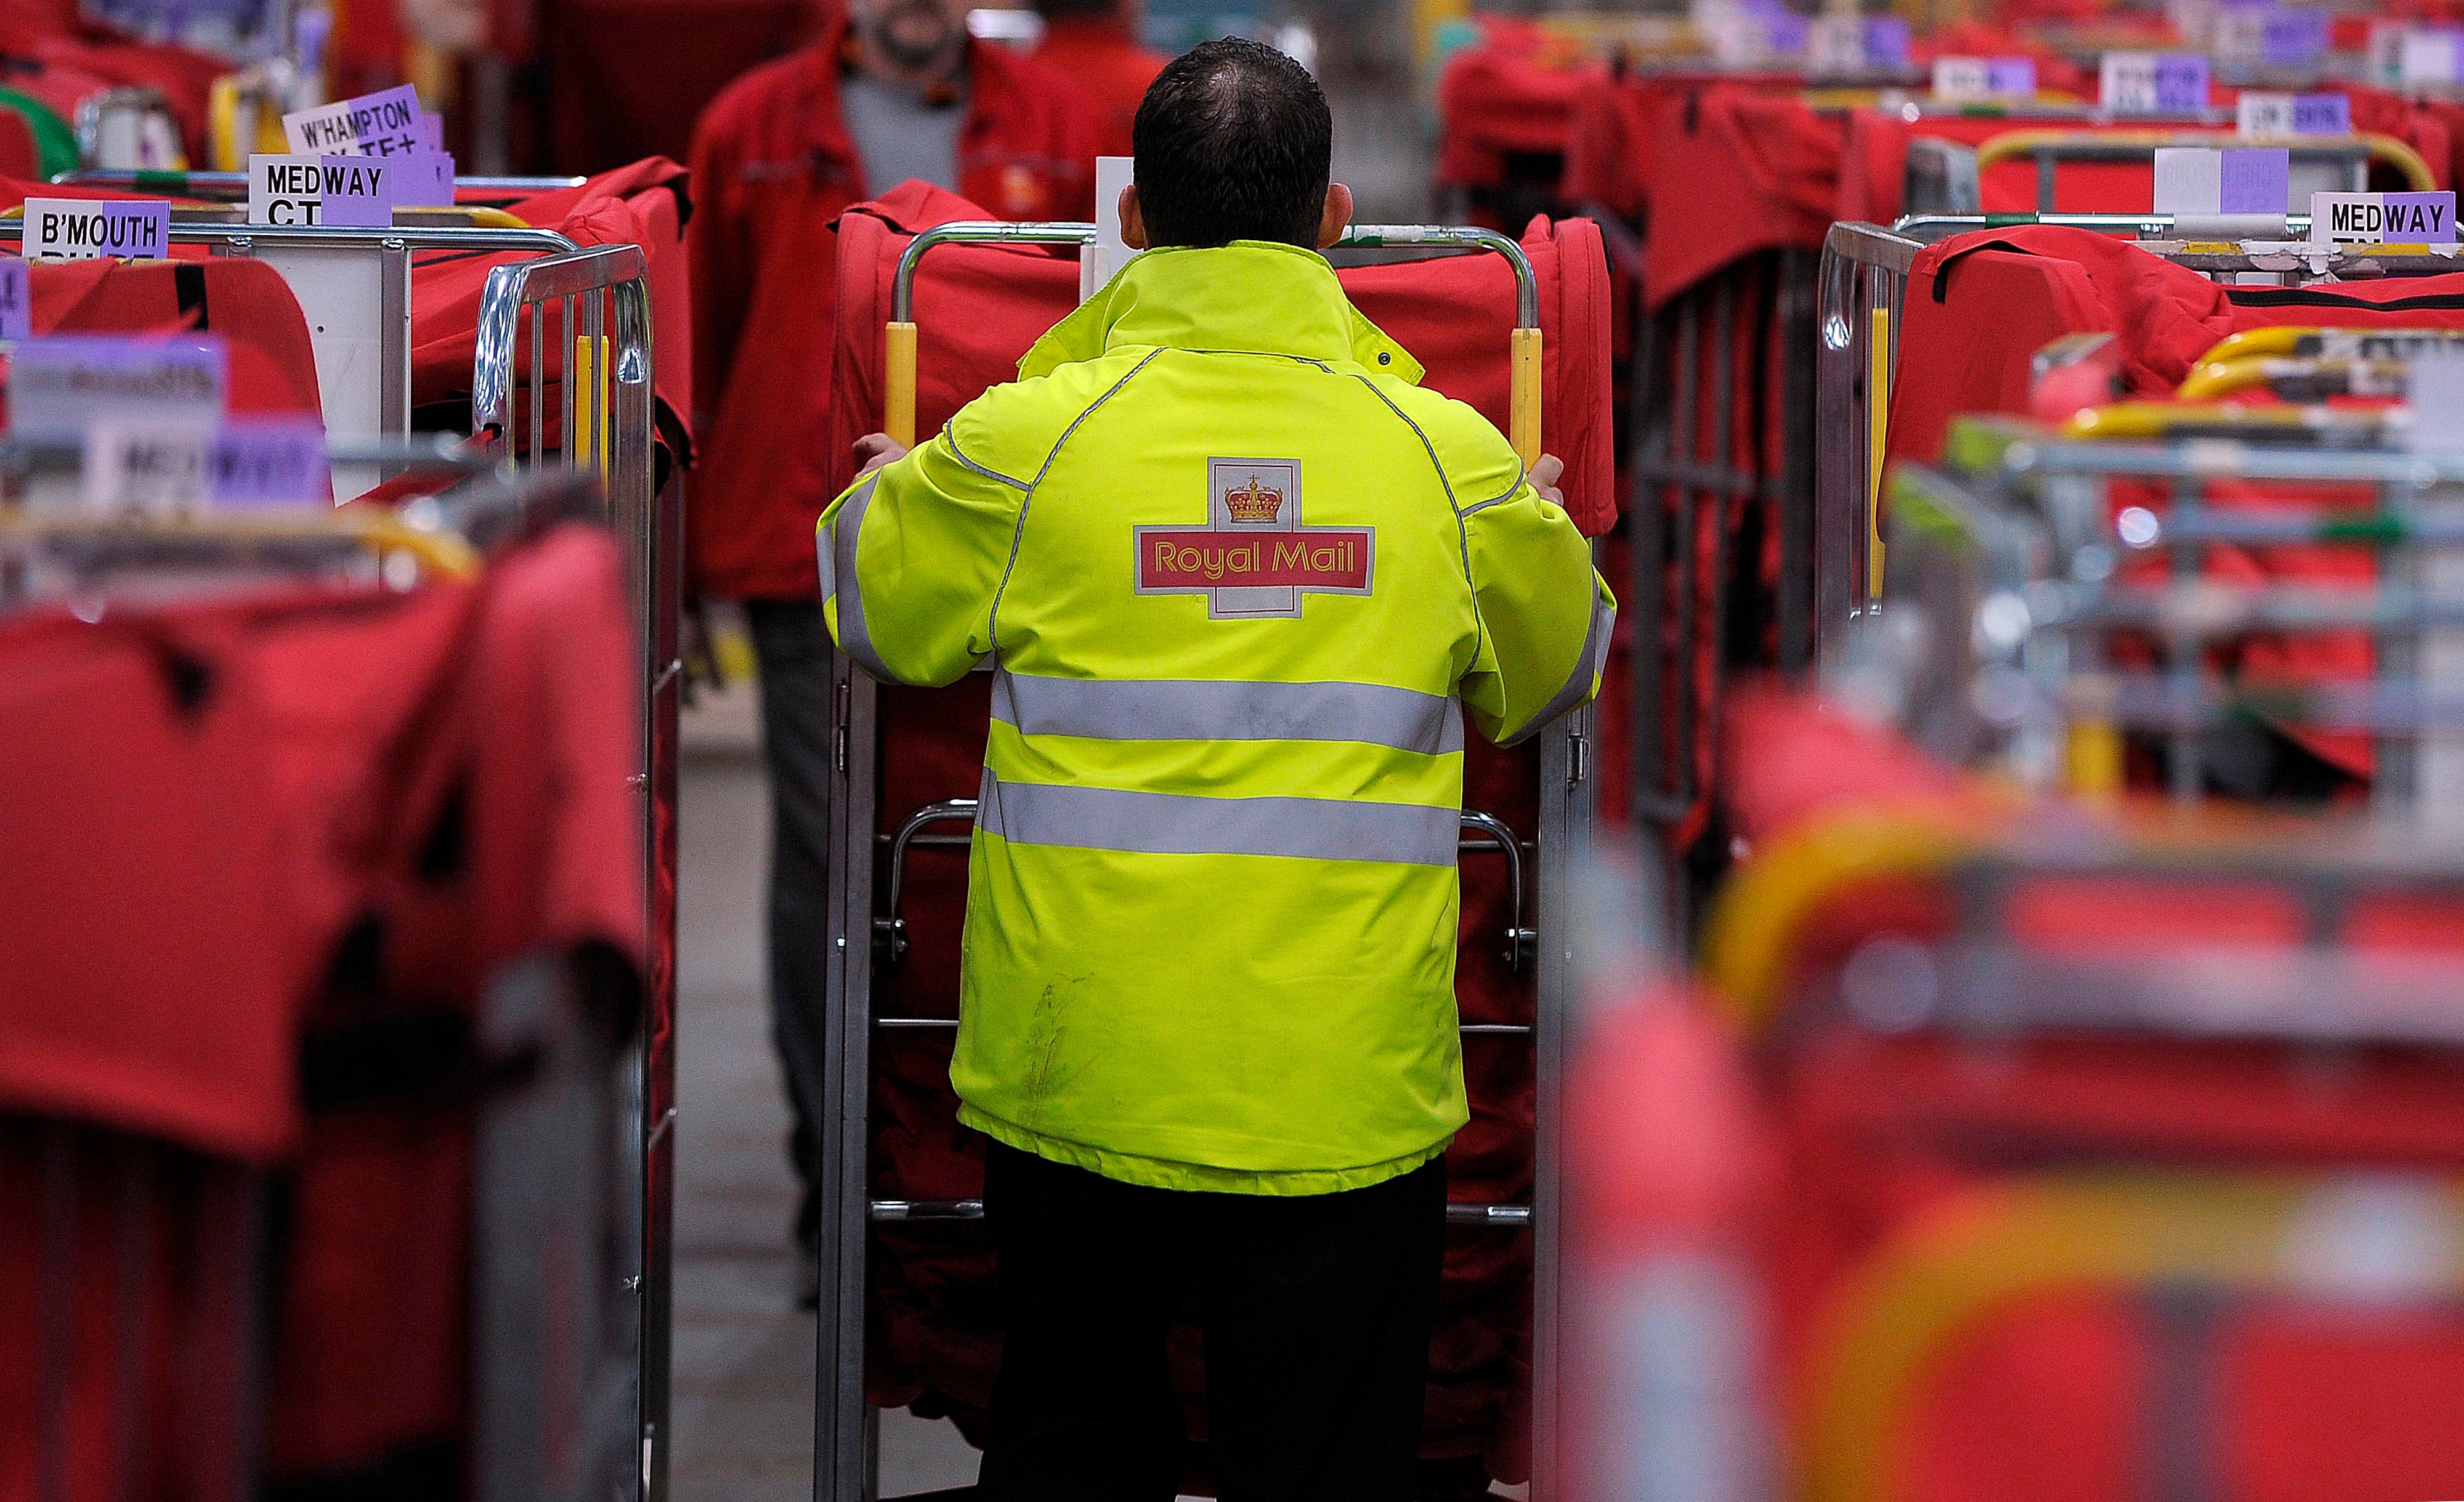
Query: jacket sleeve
[[721, 260], [911, 556], [1545, 615]]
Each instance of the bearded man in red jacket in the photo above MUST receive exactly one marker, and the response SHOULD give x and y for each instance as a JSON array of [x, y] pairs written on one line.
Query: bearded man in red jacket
[[895, 90]]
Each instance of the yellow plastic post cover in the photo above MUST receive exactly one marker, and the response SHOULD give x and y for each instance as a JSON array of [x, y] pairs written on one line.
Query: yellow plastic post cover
[[1878, 433], [586, 425], [1526, 400], [898, 384]]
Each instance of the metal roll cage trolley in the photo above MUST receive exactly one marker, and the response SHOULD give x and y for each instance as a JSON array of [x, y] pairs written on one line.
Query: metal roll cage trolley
[[868, 931], [607, 409], [1864, 278], [1809, 371]]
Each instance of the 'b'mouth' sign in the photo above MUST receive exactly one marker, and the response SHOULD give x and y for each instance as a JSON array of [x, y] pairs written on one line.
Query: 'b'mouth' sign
[[90, 229], [303, 191]]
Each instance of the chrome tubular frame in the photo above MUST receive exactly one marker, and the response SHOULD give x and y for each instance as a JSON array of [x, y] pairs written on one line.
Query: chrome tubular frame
[[604, 297], [1358, 237], [1696, 473], [1864, 272]]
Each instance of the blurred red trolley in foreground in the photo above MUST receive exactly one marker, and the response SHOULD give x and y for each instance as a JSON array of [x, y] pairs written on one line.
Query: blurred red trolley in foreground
[[346, 1164], [2034, 1139]]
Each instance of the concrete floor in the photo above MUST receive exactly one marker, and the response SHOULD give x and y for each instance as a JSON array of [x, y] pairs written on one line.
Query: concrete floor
[[743, 1410]]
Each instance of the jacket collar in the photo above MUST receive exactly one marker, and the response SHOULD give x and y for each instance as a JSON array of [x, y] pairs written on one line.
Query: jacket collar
[[1251, 297]]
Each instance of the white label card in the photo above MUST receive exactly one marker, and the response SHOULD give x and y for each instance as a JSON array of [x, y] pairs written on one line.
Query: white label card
[[148, 466], [2382, 218], [380, 125], [2428, 57], [2154, 83], [1100, 262], [1963, 79], [2435, 390], [60, 385], [89, 228]]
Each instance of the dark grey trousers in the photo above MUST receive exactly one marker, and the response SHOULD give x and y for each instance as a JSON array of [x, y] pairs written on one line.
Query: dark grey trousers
[[794, 649]]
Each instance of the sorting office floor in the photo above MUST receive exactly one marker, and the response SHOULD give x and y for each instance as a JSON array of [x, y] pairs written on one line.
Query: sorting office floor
[[743, 1405], [742, 1419]]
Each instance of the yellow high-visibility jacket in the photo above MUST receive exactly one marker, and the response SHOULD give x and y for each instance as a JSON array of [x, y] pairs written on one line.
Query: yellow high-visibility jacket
[[1237, 578]]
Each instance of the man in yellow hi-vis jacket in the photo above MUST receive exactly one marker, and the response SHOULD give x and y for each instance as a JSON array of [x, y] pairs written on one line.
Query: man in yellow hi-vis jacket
[[1239, 580]]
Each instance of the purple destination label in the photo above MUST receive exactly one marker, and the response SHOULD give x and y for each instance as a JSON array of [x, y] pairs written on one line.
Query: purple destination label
[[380, 125], [270, 461], [60, 384], [2181, 82], [89, 228], [2010, 76], [16, 301], [432, 132], [1886, 43], [2154, 83], [1786, 32], [424, 179], [2255, 181], [2323, 115], [2419, 219], [357, 192], [2294, 37]]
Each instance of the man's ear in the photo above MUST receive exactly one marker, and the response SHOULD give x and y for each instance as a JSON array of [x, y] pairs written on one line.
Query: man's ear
[[1133, 219], [1337, 216]]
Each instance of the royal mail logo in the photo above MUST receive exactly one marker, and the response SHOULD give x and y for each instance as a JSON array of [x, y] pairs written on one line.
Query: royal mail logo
[[1253, 502], [1254, 559]]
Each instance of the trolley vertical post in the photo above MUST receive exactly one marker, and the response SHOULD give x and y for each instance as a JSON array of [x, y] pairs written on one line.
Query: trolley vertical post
[[647, 519]]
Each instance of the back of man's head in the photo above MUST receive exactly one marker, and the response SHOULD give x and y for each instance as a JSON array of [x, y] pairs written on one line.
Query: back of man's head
[[1233, 143]]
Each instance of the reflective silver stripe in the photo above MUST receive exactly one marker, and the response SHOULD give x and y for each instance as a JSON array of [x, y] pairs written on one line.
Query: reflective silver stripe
[[1511, 491], [1462, 533], [1186, 709], [854, 638], [1018, 534], [959, 455], [1168, 824], [1587, 668], [826, 543]]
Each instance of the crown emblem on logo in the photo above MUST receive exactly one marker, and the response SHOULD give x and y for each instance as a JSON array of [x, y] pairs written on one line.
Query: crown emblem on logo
[[1253, 502]]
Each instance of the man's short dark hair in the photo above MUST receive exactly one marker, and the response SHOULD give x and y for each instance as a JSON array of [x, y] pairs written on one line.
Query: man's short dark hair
[[1233, 143]]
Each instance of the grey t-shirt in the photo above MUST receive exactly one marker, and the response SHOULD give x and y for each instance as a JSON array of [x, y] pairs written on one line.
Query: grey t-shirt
[[899, 136]]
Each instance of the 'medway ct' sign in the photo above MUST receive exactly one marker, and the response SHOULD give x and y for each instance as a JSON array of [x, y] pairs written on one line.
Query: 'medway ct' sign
[[2382, 218], [356, 191]]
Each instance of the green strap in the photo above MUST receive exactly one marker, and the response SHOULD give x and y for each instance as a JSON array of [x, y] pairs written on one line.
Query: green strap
[[56, 146]]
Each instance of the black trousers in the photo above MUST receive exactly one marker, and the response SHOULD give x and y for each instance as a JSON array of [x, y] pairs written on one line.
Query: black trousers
[[793, 648], [1315, 1312]]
